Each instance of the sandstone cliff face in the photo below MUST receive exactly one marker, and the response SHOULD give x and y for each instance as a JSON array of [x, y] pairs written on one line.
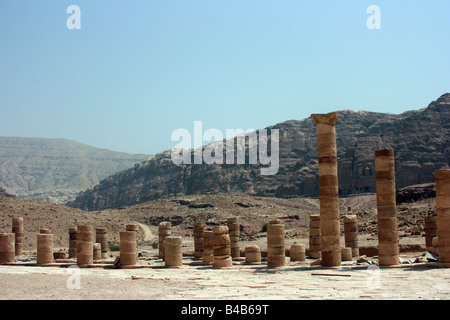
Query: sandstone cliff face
[[419, 138]]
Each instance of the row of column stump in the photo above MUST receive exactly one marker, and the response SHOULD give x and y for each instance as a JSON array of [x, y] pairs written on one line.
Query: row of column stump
[[220, 245]]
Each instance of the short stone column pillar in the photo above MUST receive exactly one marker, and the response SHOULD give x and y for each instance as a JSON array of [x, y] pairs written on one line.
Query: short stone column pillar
[[85, 245], [314, 236], [7, 248], [297, 252], [173, 255], [164, 230], [435, 245], [208, 251], [221, 247], [442, 179], [97, 253], [199, 228], [347, 254], [276, 246], [234, 226], [128, 248], [430, 231], [17, 229], [101, 236], [72, 243], [328, 189], [44, 248], [388, 247], [252, 254], [351, 234]]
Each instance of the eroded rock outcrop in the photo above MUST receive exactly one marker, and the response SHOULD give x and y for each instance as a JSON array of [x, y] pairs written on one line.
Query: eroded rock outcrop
[[419, 138]]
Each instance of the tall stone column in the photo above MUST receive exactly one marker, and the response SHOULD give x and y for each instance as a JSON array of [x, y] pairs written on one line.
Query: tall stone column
[[388, 248], [330, 226], [442, 179]]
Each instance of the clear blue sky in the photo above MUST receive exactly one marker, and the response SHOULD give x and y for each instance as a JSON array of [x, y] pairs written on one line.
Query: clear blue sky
[[137, 70]]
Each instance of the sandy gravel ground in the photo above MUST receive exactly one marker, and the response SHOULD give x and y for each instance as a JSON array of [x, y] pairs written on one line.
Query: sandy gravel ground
[[194, 281]]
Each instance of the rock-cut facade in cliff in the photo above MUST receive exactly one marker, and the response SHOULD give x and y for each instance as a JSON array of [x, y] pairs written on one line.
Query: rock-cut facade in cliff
[[419, 138]]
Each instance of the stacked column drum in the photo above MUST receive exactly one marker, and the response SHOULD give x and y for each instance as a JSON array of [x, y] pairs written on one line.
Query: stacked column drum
[[276, 247], [314, 236], [173, 255], [234, 232], [101, 237], [328, 189], [72, 243], [208, 251], [388, 247], [199, 228], [297, 252], [17, 229], [128, 248], [221, 247], [44, 248], [164, 231], [85, 245], [7, 248], [252, 254], [442, 178], [351, 234], [430, 231]]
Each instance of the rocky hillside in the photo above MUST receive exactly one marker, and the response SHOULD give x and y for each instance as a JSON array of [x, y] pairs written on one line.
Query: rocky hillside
[[56, 170], [420, 139]]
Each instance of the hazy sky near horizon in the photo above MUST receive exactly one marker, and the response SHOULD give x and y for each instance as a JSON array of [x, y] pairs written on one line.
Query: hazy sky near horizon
[[137, 70]]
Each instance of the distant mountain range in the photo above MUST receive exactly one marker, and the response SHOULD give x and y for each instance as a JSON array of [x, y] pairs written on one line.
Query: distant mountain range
[[419, 138], [56, 170]]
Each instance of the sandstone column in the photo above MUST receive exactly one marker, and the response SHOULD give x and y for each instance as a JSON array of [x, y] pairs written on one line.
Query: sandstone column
[[128, 248], [252, 254], [346, 254], [17, 229], [164, 231], [44, 248], [442, 179], [297, 252], [72, 243], [351, 234], [97, 251], [234, 232], [276, 247], [328, 189], [430, 231], [221, 247], [314, 236], [388, 248], [7, 248], [173, 255], [208, 251], [85, 245], [101, 237], [199, 228]]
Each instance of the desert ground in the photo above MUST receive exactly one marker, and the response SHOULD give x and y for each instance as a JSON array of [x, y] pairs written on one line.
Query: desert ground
[[415, 278]]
